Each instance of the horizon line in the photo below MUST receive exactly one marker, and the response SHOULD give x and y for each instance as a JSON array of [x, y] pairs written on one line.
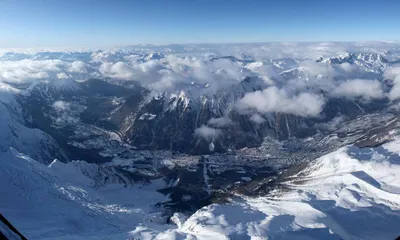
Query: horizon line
[[200, 43]]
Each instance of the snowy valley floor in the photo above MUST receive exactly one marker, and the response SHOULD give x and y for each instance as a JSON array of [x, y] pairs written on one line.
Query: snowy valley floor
[[351, 193]]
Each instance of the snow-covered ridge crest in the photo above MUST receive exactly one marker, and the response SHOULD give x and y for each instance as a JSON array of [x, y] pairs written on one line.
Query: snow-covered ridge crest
[[353, 57], [62, 196], [347, 194], [295, 109], [370, 62], [330, 198]]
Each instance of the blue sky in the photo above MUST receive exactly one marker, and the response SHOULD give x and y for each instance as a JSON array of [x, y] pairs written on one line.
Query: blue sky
[[95, 23]]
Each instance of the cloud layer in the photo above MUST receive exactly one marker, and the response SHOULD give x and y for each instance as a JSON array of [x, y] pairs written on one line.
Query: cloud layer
[[366, 89], [29, 70], [273, 99], [393, 74], [298, 84], [207, 133]]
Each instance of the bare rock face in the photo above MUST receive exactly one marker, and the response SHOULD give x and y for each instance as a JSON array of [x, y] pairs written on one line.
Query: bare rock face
[[81, 117], [98, 118]]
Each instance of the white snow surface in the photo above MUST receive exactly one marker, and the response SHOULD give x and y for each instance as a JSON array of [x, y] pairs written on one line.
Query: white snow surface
[[14, 133], [351, 193], [64, 201]]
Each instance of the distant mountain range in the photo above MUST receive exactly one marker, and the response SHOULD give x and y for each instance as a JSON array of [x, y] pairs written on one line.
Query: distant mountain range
[[96, 152]]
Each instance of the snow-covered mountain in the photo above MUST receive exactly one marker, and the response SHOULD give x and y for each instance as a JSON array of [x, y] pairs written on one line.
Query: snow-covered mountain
[[362, 59], [15, 130], [351, 193], [145, 120], [154, 145]]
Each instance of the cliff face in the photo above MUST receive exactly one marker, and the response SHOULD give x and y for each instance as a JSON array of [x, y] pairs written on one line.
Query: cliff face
[[142, 119]]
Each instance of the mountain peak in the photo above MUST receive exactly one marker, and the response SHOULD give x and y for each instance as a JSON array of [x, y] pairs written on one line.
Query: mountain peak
[[351, 58]]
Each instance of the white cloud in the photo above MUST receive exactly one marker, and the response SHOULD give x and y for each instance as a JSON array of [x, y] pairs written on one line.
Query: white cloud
[[273, 99], [119, 70], [66, 112], [220, 122], [366, 89], [207, 133], [62, 75], [175, 73], [395, 91], [347, 67], [257, 119], [28, 70], [40, 75], [7, 93], [392, 72], [78, 67], [61, 106], [333, 124], [192, 70]]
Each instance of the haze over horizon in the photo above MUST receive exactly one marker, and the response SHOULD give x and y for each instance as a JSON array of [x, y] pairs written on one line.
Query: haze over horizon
[[199, 119], [29, 24]]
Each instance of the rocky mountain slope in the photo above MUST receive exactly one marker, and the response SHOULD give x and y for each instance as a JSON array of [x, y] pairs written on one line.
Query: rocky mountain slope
[[276, 148], [146, 119]]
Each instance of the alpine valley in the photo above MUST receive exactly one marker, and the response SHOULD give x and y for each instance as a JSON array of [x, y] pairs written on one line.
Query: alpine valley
[[234, 141]]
